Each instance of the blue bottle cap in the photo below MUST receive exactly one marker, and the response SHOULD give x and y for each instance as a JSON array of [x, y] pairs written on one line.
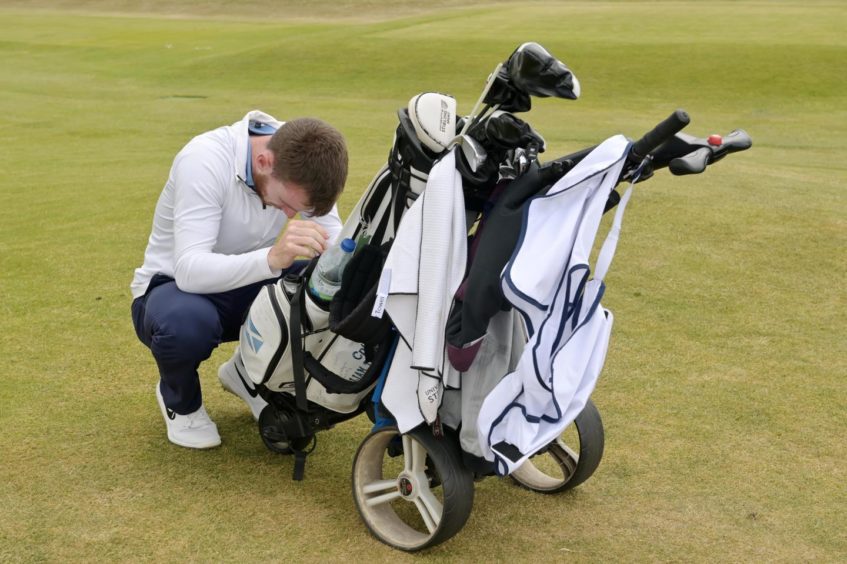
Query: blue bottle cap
[[348, 245]]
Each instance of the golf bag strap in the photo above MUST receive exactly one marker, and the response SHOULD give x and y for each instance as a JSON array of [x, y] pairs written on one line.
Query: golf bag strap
[[383, 222], [297, 314], [335, 384], [400, 178], [296, 338], [406, 153]]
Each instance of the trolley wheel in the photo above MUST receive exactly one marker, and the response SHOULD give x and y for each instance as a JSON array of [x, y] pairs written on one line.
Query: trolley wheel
[[570, 459], [413, 497]]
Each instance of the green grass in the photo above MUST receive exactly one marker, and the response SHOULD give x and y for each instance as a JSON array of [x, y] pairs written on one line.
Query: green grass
[[723, 395]]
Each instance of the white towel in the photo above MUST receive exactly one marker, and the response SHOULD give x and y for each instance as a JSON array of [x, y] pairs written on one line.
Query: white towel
[[547, 280], [424, 268]]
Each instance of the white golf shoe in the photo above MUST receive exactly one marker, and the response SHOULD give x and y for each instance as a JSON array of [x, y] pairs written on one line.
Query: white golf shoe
[[234, 380], [194, 430]]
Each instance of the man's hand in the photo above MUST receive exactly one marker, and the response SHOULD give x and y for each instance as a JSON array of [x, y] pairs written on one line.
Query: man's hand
[[300, 239]]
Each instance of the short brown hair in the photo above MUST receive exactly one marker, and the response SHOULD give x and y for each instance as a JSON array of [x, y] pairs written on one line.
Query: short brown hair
[[311, 153]]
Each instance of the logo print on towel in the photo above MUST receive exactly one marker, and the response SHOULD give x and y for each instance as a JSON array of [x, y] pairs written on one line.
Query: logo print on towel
[[252, 336], [431, 394]]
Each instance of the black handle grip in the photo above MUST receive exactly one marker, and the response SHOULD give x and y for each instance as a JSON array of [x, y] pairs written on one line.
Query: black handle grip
[[659, 134], [737, 140], [692, 163], [696, 161]]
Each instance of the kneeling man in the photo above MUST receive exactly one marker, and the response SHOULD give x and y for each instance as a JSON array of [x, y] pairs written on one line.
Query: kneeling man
[[223, 228]]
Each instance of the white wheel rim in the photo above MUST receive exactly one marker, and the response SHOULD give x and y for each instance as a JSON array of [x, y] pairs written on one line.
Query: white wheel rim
[[379, 497], [536, 478]]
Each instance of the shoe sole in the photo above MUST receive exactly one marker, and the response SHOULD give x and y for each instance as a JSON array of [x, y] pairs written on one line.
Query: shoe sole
[[171, 438]]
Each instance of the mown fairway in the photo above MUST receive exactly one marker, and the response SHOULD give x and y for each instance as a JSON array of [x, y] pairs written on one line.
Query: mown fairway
[[723, 396]]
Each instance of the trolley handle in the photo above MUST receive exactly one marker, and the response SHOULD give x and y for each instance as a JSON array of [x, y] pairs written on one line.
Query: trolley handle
[[703, 152], [659, 134]]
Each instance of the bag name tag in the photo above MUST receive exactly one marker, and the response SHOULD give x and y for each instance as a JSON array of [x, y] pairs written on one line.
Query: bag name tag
[[381, 293]]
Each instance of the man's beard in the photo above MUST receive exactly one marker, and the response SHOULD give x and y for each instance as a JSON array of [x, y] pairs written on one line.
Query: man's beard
[[261, 188]]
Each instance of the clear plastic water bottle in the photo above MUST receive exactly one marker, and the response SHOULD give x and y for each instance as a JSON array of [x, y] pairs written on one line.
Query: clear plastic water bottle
[[326, 277]]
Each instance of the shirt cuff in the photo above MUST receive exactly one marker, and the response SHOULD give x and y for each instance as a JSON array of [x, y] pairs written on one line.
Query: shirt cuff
[[267, 267]]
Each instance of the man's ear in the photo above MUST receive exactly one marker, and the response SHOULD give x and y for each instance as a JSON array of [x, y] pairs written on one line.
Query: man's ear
[[265, 160]]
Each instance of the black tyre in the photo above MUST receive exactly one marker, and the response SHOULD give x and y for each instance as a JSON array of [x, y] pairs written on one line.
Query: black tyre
[[570, 459], [272, 427], [271, 433], [411, 490]]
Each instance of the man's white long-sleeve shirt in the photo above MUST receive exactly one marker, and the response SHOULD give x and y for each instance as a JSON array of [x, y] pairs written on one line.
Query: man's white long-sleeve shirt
[[210, 232]]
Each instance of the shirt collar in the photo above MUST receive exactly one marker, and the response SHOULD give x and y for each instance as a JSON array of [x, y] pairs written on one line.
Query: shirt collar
[[240, 131], [254, 127], [248, 171]]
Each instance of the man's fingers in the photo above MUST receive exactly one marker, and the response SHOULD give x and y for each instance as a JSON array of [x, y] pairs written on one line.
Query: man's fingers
[[311, 226], [321, 230], [309, 242], [316, 226], [302, 227], [301, 245]]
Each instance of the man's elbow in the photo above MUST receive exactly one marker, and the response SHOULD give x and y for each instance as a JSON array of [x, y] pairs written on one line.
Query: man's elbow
[[186, 280]]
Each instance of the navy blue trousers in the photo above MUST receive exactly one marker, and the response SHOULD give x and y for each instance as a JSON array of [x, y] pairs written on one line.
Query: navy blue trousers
[[182, 329]]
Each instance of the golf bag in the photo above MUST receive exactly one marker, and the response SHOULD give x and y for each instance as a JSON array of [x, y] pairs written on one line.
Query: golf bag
[[316, 363], [334, 364]]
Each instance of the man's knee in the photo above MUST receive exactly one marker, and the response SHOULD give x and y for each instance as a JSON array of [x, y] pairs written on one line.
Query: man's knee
[[186, 330]]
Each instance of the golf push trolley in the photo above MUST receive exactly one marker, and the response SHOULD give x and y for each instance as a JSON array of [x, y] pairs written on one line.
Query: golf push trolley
[[466, 326]]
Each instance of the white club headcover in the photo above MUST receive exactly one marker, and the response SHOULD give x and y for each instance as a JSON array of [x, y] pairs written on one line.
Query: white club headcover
[[434, 117]]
